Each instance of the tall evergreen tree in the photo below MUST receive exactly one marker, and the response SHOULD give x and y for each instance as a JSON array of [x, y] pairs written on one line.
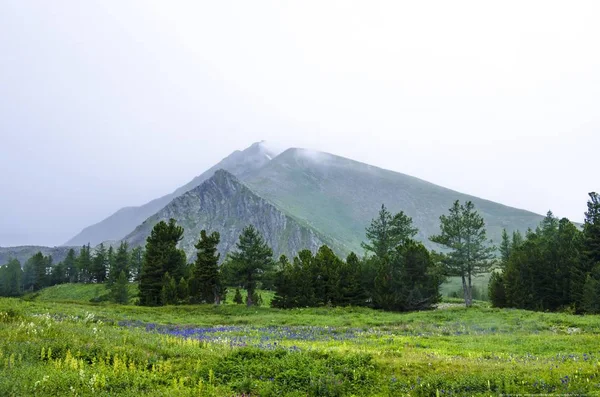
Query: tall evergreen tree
[[351, 288], [11, 279], [84, 264], [59, 274], [136, 261], [387, 231], [162, 256], [591, 231], [36, 271], [251, 259], [207, 285], [463, 232], [505, 247], [99, 264], [70, 262], [119, 291], [120, 263]]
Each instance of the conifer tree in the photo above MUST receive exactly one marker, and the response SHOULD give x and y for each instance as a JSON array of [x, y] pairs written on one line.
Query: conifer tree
[[387, 231], [11, 279], [463, 232], [326, 276], [183, 290], [58, 275], [168, 292], [84, 264], [119, 289], [250, 260], [505, 247], [70, 262], [99, 264], [496, 290], [38, 264], [284, 285], [162, 256], [136, 260], [120, 263], [351, 288], [207, 279]]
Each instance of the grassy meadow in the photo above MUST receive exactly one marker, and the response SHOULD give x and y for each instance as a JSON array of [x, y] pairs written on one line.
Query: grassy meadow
[[59, 343]]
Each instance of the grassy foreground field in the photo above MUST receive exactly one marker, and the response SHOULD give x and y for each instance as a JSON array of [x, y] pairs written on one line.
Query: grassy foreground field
[[70, 348]]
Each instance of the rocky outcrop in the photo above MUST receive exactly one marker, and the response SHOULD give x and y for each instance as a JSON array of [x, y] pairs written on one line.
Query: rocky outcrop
[[123, 221], [226, 205]]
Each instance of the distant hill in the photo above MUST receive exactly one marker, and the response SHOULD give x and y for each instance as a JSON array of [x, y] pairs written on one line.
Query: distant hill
[[338, 197], [226, 205], [122, 222], [23, 253]]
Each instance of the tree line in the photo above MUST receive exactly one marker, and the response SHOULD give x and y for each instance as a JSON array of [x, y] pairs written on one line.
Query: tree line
[[554, 267]]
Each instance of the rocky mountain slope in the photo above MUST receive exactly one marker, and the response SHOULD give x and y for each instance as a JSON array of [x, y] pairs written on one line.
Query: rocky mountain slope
[[123, 221], [224, 204], [338, 197]]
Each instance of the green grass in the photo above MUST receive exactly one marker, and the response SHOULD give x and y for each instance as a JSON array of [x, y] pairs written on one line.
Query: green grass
[[54, 344], [86, 293]]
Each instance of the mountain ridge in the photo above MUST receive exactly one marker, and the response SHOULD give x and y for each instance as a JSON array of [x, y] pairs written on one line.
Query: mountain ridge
[[124, 220], [225, 204]]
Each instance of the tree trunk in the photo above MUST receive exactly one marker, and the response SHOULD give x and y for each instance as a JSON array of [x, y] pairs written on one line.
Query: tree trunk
[[470, 293], [249, 299], [465, 290]]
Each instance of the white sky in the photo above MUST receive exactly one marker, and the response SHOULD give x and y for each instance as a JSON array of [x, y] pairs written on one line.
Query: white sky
[[105, 104]]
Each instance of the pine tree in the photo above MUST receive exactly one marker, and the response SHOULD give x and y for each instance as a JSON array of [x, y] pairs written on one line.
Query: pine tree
[[71, 271], [386, 232], [352, 290], [496, 290], [119, 289], [463, 232], [136, 260], [284, 285], [11, 279], [591, 230], [99, 264], [251, 259], [162, 256], [326, 276], [168, 292], [84, 264], [207, 279], [419, 278], [505, 247], [39, 264], [590, 302], [119, 264], [59, 274], [183, 290]]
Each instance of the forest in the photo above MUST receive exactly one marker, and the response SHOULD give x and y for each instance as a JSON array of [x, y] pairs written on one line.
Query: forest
[[555, 267]]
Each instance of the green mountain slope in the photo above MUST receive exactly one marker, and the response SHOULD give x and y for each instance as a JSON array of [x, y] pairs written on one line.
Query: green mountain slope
[[226, 205], [338, 197]]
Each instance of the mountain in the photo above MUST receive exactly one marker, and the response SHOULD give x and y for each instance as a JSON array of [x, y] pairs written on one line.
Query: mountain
[[224, 204], [338, 197], [23, 253], [122, 222]]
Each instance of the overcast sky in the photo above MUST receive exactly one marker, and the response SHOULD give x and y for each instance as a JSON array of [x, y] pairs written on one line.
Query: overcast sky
[[105, 104]]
